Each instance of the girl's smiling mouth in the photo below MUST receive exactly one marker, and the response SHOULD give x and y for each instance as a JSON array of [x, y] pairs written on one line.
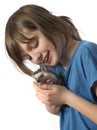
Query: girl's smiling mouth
[[46, 59]]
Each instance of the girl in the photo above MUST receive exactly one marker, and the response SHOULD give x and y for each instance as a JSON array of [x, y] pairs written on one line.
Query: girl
[[34, 33]]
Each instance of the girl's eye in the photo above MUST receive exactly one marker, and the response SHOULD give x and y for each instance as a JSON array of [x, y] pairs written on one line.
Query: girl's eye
[[33, 44]]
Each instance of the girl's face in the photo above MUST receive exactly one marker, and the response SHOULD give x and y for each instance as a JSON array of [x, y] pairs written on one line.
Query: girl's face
[[40, 50]]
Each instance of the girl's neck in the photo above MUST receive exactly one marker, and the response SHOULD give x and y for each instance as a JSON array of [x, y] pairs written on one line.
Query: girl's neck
[[68, 52]]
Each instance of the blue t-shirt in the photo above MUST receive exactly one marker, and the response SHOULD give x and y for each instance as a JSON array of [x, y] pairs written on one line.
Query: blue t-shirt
[[79, 77]]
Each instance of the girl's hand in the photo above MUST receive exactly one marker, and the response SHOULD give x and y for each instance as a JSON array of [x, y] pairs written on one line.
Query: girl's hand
[[51, 93]]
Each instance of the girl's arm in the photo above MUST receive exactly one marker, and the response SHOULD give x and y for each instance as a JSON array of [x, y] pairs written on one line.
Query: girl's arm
[[83, 106], [58, 95]]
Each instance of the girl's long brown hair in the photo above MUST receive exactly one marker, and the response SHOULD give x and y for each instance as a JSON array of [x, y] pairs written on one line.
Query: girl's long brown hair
[[33, 17]]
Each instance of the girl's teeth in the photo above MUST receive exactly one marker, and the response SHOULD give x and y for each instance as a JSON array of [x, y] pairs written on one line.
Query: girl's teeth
[[46, 59]]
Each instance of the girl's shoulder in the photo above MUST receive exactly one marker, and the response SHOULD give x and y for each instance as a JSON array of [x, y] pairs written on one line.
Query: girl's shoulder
[[88, 45]]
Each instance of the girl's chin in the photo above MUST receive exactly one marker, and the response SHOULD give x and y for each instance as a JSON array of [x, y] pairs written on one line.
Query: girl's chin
[[54, 63]]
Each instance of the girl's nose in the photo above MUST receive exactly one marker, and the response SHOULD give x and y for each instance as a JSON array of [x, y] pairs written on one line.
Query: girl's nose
[[36, 58]]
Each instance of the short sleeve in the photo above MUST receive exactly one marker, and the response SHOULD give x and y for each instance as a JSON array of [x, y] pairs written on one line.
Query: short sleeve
[[89, 63]]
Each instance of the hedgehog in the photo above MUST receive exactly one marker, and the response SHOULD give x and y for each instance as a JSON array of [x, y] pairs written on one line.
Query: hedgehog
[[45, 76]]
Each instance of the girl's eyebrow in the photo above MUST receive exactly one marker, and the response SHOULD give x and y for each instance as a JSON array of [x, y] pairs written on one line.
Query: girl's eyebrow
[[28, 34], [33, 38], [30, 41]]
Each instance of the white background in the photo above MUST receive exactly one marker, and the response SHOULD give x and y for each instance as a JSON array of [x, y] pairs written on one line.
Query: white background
[[19, 108]]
